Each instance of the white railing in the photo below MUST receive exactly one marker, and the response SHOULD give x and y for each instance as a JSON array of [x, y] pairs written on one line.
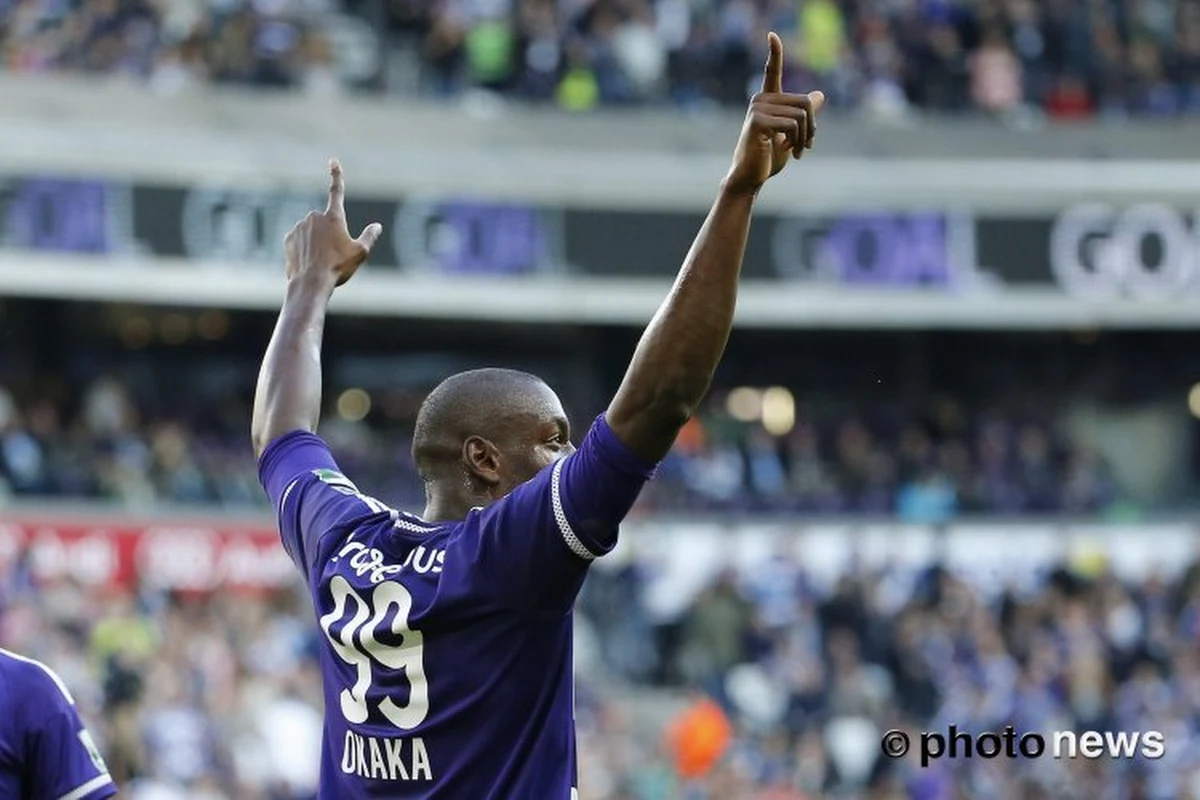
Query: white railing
[[653, 159]]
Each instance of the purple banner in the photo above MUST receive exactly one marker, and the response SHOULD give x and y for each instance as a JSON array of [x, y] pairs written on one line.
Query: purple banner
[[61, 215]]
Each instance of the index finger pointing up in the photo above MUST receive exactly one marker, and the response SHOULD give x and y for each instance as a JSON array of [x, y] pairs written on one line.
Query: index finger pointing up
[[773, 75], [337, 188]]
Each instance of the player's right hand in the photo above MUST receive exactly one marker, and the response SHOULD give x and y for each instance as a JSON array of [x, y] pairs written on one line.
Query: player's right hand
[[319, 247], [778, 125]]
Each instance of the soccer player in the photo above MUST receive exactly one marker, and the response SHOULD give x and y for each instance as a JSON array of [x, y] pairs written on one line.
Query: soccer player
[[45, 751], [446, 651]]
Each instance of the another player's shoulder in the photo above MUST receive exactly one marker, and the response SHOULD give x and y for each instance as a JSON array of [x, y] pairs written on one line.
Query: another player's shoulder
[[31, 680]]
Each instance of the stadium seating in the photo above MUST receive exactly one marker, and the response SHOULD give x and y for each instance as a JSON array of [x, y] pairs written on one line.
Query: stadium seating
[[1013, 59], [947, 474]]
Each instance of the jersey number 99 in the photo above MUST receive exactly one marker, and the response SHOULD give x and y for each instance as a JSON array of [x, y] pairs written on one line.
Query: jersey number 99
[[362, 650]]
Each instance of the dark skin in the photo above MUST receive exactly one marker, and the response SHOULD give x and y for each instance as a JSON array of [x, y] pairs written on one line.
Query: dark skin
[[671, 369], [517, 448]]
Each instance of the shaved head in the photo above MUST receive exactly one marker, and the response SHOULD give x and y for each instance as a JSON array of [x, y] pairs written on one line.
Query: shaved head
[[505, 408]]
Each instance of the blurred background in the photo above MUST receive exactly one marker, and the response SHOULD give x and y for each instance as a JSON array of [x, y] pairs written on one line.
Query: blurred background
[[948, 472]]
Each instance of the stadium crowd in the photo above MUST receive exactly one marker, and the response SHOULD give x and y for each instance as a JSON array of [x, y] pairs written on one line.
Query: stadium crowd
[[171, 44], [1065, 59], [810, 677], [926, 464], [789, 683]]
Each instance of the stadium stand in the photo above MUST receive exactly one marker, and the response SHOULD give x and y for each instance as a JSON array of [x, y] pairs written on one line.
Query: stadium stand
[[934, 464], [212, 695], [967, 498], [1062, 60]]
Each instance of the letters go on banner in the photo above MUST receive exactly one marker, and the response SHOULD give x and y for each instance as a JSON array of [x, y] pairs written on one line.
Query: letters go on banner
[[1089, 250]]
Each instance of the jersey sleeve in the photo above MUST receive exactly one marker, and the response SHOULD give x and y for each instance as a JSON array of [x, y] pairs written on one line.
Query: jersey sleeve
[[310, 495], [62, 759], [536, 544]]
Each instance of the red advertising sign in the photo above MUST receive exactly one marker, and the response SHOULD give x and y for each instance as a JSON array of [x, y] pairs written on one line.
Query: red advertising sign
[[167, 554]]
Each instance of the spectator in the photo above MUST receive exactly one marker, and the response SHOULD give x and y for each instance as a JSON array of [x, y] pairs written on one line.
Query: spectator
[[996, 74], [716, 633]]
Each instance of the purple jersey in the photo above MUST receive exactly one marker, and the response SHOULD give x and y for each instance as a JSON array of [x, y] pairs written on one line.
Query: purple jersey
[[45, 752], [446, 652]]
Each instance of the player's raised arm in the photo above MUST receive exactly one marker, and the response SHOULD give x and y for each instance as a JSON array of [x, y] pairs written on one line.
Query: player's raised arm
[[678, 354], [321, 256]]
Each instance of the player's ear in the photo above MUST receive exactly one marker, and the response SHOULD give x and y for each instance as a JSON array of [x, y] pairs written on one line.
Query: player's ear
[[482, 459]]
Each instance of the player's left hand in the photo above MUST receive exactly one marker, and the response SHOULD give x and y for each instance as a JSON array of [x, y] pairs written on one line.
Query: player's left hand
[[779, 125], [319, 247]]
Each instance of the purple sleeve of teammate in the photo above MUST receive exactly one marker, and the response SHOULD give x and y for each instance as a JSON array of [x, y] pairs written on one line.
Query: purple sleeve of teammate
[[310, 495], [538, 542], [62, 758]]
